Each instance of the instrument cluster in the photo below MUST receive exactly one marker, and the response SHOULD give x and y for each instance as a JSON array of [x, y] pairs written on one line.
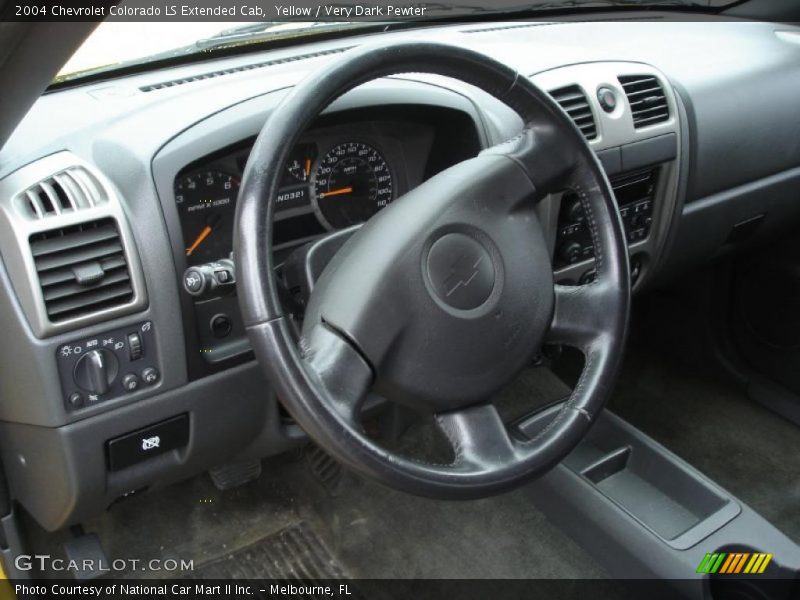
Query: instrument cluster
[[328, 184]]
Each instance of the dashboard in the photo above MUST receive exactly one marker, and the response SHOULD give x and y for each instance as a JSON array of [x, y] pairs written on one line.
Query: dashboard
[[347, 167], [337, 176], [141, 174]]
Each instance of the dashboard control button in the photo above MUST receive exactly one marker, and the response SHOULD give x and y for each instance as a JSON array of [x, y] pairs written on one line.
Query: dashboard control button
[[221, 326], [149, 441], [223, 276], [96, 371], [135, 349], [210, 280], [193, 281], [575, 212], [150, 376], [130, 382], [571, 252], [75, 400], [636, 270], [607, 99], [588, 277]]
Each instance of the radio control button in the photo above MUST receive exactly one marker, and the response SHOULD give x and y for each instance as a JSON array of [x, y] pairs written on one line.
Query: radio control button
[[571, 252]]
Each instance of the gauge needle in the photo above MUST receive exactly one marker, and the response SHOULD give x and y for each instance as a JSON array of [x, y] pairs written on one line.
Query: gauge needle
[[339, 192], [200, 238], [308, 167]]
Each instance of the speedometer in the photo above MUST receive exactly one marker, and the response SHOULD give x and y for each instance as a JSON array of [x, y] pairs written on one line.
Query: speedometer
[[351, 183]]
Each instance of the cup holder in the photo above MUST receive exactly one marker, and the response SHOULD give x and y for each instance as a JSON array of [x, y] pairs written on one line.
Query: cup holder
[[653, 486]]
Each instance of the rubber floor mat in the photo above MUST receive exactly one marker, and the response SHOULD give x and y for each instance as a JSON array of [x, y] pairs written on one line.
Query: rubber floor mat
[[295, 553]]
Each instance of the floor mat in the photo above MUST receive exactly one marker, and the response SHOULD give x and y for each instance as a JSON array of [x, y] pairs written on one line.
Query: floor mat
[[712, 424], [193, 520], [297, 552], [339, 524], [385, 534], [381, 533]]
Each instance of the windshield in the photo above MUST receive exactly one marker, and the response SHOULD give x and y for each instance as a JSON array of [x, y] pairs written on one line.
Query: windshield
[[116, 44]]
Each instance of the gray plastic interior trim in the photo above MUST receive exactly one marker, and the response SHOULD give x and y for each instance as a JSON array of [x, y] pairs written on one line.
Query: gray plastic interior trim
[[630, 550], [17, 226], [616, 145]]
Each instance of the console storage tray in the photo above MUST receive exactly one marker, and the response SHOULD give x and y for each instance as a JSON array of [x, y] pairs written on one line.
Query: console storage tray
[[654, 487]]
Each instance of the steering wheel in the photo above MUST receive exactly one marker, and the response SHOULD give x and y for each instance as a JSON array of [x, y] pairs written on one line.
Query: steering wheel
[[446, 294]]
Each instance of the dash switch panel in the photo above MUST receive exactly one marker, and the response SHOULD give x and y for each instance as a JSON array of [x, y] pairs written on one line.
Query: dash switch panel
[[110, 365]]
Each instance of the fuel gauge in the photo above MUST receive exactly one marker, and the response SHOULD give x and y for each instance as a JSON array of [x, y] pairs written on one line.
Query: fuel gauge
[[298, 167], [299, 170]]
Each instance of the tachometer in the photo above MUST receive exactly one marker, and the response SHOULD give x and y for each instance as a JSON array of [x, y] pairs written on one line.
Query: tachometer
[[206, 203], [351, 183]]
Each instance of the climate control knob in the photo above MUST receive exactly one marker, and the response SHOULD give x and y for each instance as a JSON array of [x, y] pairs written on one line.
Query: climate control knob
[[570, 252], [96, 371], [575, 212]]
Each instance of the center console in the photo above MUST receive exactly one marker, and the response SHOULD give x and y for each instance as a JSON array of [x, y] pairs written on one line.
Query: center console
[[630, 117], [643, 512], [635, 195]]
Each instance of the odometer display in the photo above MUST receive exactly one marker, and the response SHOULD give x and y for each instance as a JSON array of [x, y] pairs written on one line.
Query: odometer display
[[351, 183]]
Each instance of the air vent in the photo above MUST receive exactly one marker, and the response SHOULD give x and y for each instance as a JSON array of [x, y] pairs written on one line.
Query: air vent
[[68, 191], [260, 65], [506, 27], [572, 99], [82, 269], [548, 23], [646, 98]]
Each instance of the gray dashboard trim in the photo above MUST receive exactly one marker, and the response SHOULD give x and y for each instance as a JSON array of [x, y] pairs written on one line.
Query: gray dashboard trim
[[722, 72], [624, 148], [17, 228], [227, 411], [244, 120], [703, 230]]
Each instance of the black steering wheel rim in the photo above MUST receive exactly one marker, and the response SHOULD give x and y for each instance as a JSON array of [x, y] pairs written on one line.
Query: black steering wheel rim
[[321, 379]]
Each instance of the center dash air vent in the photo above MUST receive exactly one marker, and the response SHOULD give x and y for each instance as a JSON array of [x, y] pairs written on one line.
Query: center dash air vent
[[70, 190], [572, 99], [646, 98], [82, 269]]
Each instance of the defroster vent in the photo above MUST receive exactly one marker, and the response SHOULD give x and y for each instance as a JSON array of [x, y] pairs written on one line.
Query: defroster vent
[[70, 190], [82, 269]]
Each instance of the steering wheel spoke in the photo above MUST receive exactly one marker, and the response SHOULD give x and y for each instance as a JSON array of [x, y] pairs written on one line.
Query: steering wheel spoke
[[478, 437], [544, 154], [578, 318], [339, 368]]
